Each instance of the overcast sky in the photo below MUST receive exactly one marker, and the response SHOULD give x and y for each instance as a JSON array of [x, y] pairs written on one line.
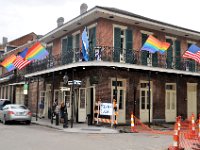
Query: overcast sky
[[20, 17]]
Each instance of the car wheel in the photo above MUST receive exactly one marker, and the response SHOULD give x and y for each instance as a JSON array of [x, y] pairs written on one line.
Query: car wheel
[[28, 122]]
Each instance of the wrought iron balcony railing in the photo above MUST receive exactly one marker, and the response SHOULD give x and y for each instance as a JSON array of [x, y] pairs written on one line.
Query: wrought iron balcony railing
[[110, 54]]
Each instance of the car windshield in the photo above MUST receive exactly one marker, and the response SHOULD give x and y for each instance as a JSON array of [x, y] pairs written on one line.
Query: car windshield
[[18, 107]]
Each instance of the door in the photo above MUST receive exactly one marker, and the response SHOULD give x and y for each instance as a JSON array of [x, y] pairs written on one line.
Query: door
[[90, 103], [67, 100], [170, 102], [121, 99], [82, 105], [19, 95], [191, 99], [47, 104], [145, 108]]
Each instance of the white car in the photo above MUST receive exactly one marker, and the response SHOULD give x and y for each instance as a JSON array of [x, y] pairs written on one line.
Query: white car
[[16, 112]]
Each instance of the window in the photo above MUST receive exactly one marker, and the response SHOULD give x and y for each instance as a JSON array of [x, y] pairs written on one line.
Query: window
[[190, 64], [120, 92], [119, 43], [76, 46], [146, 57]]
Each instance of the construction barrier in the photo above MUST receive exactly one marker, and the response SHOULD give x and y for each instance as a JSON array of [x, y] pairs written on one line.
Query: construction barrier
[[115, 113], [192, 132], [110, 118]]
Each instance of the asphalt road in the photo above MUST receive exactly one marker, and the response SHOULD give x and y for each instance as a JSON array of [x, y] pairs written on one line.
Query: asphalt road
[[35, 137]]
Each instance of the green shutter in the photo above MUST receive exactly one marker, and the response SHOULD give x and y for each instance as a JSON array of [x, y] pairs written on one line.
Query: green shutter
[[144, 54], [117, 44], [92, 42], [70, 52], [64, 50], [191, 63], [77, 52], [178, 54], [169, 54], [155, 59], [129, 46]]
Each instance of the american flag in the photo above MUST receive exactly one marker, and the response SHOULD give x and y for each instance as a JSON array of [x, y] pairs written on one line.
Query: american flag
[[20, 63], [193, 52]]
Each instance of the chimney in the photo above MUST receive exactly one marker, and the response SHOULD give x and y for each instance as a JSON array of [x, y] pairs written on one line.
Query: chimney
[[83, 8], [4, 41], [60, 21]]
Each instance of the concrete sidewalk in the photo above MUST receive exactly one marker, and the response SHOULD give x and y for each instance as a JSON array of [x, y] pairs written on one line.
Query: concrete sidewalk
[[77, 127]]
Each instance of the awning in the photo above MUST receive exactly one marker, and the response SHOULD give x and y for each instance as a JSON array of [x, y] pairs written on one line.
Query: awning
[[18, 83], [113, 64], [4, 79]]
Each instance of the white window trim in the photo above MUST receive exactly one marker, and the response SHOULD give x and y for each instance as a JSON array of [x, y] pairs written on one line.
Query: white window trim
[[75, 33], [191, 42], [119, 79], [49, 44], [119, 26], [146, 32], [92, 25], [170, 37], [173, 84]]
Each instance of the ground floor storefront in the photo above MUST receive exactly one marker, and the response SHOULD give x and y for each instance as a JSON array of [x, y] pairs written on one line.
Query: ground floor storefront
[[168, 95]]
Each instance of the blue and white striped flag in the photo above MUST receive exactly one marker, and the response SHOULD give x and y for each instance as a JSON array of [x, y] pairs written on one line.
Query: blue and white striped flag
[[85, 45]]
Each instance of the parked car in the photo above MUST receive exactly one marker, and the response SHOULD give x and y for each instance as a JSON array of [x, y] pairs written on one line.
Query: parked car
[[16, 112], [3, 102]]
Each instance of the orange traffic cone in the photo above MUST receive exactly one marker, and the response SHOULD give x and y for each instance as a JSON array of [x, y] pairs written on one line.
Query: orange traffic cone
[[132, 123], [175, 138], [192, 133]]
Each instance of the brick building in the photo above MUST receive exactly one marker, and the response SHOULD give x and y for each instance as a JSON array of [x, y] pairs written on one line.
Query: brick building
[[11, 83], [155, 87]]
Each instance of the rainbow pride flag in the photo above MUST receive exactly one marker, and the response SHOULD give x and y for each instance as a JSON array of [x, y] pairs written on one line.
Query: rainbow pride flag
[[154, 45], [8, 62], [37, 51]]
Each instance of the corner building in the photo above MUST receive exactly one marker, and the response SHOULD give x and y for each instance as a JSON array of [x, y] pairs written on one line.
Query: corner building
[[117, 63]]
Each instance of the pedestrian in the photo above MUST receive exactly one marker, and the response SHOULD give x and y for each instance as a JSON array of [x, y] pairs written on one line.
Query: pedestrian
[[57, 113], [41, 109], [54, 107], [62, 109]]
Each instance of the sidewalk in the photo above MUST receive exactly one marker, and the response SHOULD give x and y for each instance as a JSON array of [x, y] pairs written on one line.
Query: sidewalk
[[77, 127]]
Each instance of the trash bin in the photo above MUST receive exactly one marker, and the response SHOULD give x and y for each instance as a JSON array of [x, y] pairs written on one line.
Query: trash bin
[[89, 119]]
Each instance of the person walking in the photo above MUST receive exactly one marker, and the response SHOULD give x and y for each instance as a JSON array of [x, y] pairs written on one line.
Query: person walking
[[41, 109], [62, 109]]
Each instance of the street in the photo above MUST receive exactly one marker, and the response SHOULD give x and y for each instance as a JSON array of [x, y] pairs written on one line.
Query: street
[[35, 137]]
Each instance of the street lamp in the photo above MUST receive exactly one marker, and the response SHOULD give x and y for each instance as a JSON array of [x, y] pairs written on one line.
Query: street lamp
[[65, 115]]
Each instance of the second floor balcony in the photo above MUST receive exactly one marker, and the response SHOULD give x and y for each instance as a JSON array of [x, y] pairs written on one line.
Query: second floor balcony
[[111, 54]]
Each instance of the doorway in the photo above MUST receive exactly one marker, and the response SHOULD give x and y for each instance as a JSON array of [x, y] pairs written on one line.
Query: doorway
[[191, 99], [145, 107], [170, 102]]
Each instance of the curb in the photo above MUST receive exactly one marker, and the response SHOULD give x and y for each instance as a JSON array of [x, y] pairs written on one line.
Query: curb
[[45, 125]]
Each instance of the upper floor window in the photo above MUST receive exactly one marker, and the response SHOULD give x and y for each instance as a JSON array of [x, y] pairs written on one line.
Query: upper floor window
[[190, 64], [120, 42], [76, 46], [173, 60], [70, 48], [148, 58], [123, 44]]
